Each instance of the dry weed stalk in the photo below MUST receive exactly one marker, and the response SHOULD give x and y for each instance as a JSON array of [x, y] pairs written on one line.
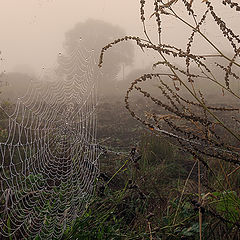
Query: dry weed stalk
[[200, 124], [204, 130]]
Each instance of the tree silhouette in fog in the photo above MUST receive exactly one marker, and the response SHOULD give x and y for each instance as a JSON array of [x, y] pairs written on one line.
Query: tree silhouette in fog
[[94, 34]]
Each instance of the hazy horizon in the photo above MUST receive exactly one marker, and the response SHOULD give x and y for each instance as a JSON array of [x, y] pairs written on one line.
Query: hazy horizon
[[33, 32]]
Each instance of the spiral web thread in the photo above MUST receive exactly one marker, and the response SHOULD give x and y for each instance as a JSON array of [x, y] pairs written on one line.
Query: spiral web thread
[[49, 157]]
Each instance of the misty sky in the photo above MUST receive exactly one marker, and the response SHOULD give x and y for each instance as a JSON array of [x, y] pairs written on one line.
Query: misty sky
[[32, 31]]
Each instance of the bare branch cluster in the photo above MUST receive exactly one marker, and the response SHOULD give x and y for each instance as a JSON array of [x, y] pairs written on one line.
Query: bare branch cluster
[[202, 129]]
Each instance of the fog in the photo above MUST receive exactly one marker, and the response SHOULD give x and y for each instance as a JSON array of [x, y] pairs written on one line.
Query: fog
[[33, 33], [141, 116]]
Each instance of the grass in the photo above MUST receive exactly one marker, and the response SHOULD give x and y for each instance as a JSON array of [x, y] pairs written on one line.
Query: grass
[[157, 197]]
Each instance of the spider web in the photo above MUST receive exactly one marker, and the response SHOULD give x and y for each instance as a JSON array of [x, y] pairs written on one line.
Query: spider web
[[49, 156]]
